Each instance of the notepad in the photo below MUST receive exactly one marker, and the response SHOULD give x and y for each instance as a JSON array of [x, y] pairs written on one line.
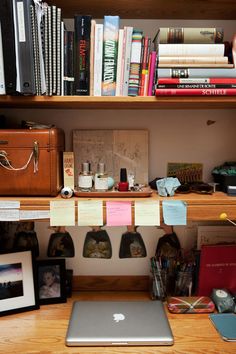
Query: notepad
[[225, 324]]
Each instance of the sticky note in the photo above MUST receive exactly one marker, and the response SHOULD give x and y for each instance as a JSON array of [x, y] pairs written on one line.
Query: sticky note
[[118, 213], [147, 213], [174, 212]]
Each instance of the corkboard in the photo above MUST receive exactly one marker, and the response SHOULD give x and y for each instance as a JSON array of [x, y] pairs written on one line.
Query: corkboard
[[116, 148]]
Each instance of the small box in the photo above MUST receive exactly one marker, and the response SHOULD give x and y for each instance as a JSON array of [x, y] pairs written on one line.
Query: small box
[[190, 304], [31, 161], [68, 170], [224, 181]]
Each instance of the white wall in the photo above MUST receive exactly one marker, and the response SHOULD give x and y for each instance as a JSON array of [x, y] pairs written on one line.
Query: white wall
[[175, 136]]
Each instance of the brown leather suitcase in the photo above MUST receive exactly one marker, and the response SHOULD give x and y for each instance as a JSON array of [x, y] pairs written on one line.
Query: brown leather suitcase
[[31, 161]]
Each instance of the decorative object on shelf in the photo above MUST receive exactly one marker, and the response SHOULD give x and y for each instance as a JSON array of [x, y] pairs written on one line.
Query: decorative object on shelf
[[67, 192], [101, 178], [68, 169], [197, 187], [116, 148], [60, 243], [26, 238], [167, 186], [123, 185], [132, 244], [185, 172], [51, 281], [17, 282], [97, 244], [85, 179]]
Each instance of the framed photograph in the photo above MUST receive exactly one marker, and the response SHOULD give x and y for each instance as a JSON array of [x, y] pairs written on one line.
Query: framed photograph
[[18, 285], [51, 281]]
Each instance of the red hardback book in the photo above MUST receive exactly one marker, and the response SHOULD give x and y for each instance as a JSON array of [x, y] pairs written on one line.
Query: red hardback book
[[217, 269], [196, 92], [217, 80]]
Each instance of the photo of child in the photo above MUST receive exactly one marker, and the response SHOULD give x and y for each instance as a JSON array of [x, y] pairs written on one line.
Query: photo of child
[[49, 282]]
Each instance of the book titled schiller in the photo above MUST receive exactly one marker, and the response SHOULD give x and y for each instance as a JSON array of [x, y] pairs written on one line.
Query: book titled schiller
[[217, 269], [82, 54]]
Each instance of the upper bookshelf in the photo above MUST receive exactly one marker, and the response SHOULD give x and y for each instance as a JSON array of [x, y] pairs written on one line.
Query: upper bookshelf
[[104, 102], [151, 9]]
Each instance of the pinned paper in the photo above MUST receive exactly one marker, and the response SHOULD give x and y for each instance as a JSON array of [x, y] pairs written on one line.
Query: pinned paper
[[62, 213], [147, 213], [174, 212], [90, 213], [118, 213]]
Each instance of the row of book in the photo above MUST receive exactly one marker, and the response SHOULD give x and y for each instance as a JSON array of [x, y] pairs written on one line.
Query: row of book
[[195, 61], [38, 55]]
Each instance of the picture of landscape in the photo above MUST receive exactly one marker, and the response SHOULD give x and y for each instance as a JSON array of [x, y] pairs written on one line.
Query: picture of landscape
[[11, 280]]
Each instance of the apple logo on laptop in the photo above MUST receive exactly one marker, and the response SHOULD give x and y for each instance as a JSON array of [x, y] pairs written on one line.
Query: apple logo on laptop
[[118, 317]]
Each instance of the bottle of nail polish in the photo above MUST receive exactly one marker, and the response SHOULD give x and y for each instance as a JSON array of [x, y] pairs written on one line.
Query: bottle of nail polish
[[123, 185]]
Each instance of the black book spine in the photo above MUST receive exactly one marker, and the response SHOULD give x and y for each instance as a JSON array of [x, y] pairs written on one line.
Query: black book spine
[[8, 45], [82, 54]]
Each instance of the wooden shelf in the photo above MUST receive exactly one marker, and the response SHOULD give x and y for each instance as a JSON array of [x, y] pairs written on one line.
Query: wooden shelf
[[91, 102], [151, 9], [199, 207]]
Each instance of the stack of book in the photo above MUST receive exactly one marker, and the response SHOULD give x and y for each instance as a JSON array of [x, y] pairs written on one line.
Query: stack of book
[[39, 56], [194, 61]]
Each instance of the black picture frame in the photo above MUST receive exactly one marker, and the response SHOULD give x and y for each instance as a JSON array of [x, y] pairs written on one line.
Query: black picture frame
[[51, 275], [18, 283]]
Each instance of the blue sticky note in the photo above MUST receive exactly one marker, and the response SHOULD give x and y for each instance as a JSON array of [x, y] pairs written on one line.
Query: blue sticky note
[[174, 212]]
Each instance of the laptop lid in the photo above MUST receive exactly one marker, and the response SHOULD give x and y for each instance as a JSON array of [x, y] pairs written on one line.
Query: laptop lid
[[95, 323]]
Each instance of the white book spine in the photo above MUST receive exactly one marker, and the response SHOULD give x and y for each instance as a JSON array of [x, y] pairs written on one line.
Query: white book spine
[[98, 58], [191, 50], [91, 64], [2, 78], [128, 44], [62, 57], [119, 63]]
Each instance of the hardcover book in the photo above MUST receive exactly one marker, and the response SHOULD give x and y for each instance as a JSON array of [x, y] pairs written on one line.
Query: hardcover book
[[190, 35], [82, 54], [217, 268], [191, 49], [135, 62], [110, 53], [98, 55], [196, 72]]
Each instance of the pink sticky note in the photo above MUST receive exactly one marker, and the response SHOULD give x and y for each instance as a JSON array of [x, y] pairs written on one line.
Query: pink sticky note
[[118, 213]]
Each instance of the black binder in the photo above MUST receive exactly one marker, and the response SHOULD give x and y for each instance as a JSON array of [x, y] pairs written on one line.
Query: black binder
[[24, 47], [8, 45]]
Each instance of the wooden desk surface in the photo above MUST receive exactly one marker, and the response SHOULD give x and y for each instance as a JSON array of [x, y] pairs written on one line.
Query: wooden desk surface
[[43, 331]]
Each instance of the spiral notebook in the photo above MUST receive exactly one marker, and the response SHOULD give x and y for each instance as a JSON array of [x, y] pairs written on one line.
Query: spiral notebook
[[225, 324]]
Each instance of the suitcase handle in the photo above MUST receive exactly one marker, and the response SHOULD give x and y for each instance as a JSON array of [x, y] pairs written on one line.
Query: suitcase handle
[[8, 166]]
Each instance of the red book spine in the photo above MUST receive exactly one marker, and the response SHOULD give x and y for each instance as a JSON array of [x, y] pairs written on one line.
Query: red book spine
[[216, 80], [143, 66], [196, 92]]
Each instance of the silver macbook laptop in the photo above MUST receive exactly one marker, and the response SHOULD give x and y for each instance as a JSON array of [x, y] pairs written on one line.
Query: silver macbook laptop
[[94, 323]]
